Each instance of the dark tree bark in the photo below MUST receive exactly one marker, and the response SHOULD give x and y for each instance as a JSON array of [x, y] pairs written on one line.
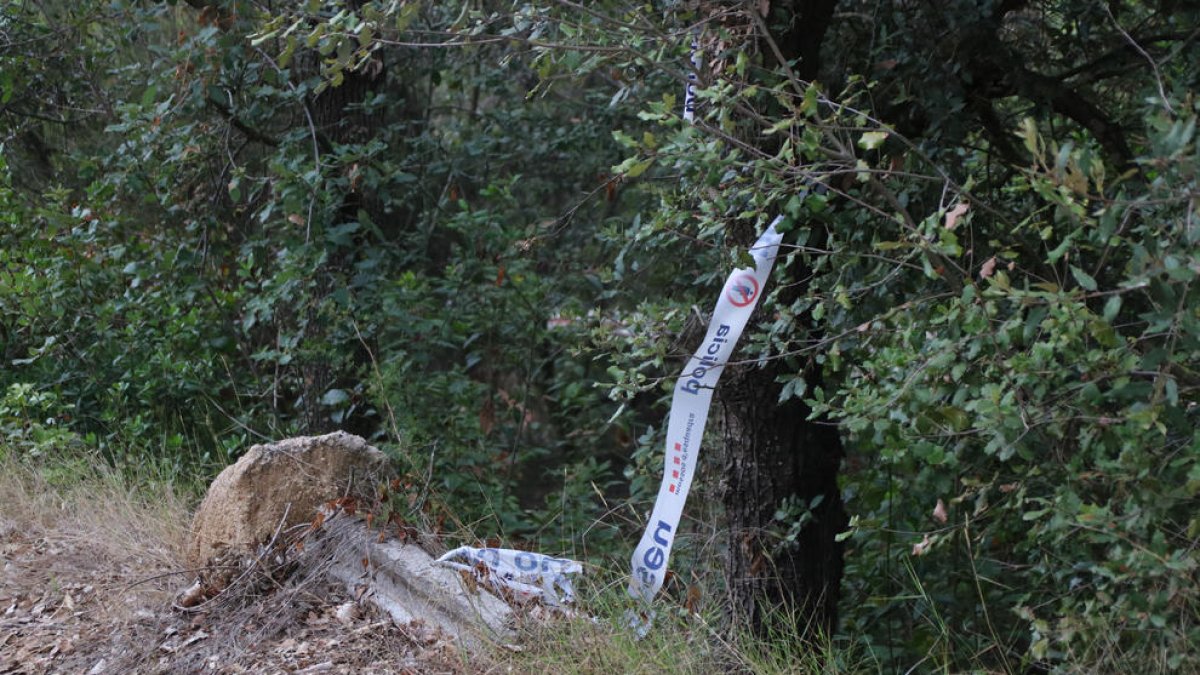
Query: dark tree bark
[[801, 33], [338, 119], [773, 452]]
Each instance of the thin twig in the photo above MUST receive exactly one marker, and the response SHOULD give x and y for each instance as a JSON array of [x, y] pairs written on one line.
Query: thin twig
[[1158, 79]]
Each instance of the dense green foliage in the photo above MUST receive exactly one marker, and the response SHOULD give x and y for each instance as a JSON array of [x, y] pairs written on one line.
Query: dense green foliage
[[476, 234]]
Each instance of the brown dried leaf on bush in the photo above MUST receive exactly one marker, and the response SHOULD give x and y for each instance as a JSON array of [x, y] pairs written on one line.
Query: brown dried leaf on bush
[[988, 268], [955, 214], [922, 547]]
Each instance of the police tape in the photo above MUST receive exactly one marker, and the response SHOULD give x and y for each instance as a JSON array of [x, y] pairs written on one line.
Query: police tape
[[693, 76], [525, 574], [689, 414], [692, 399], [533, 575]]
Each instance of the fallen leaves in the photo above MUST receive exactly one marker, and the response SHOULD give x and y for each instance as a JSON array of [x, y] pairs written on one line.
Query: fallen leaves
[[191, 596]]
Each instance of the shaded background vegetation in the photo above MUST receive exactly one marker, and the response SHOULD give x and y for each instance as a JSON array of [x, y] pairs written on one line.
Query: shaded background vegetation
[[480, 235]]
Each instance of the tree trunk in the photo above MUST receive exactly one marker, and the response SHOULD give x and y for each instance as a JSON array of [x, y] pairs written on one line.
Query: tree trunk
[[772, 452]]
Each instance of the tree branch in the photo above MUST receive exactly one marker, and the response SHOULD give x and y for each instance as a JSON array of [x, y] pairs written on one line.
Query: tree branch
[[247, 130]]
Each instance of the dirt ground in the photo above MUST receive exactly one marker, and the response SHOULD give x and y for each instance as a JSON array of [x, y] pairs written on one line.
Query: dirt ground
[[87, 582]]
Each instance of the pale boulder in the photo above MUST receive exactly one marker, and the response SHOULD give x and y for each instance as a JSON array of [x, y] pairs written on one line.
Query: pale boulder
[[248, 501]]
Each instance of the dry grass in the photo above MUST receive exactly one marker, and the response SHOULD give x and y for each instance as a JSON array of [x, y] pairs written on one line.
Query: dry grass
[[91, 561], [88, 559], [76, 524], [86, 503]]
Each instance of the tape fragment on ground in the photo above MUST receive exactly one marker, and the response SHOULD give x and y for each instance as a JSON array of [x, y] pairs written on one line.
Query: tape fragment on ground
[[525, 574]]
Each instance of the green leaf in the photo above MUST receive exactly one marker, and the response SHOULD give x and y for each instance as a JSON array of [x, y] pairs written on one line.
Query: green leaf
[[794, 388], [1085, 280], [335, 397], [639, 168], [811, 98], [1112, 307], [1172, 391], [872, 139], [6, 86], [407, 13]]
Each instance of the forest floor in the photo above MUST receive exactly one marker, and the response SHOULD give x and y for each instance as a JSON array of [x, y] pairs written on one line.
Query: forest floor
[[92, 571], [88, 572]]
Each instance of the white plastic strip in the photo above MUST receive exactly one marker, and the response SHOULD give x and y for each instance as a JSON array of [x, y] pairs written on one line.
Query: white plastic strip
[[693, 77], [689, 414], [527, 575]]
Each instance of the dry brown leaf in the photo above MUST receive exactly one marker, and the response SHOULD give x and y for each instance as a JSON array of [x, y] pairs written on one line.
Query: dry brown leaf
[[939, 512], [487, 416], [922, 547], [692, 603], [192, 596], [346, 612], [764, 7], [988, 268], [955, 213], [296, 219]]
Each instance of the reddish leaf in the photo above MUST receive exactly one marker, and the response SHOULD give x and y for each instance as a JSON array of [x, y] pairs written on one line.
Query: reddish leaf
[[487, 416], [922, 547], [939, 512], [988, 268], [955, 213], [692, 603]]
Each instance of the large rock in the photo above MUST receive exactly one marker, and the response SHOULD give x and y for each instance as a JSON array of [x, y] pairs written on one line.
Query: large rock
[[247, 502]]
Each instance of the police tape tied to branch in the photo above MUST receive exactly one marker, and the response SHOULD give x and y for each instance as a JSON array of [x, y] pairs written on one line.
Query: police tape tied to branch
[[532, 575], [693, 398], [689, 413]]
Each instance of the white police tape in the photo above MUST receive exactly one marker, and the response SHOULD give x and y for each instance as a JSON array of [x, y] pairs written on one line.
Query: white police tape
[[693, 398], [527, 575], [533, 575], [689, 92], [689, 413]]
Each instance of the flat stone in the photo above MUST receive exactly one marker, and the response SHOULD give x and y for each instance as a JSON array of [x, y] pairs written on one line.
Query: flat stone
[[402, 580]]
